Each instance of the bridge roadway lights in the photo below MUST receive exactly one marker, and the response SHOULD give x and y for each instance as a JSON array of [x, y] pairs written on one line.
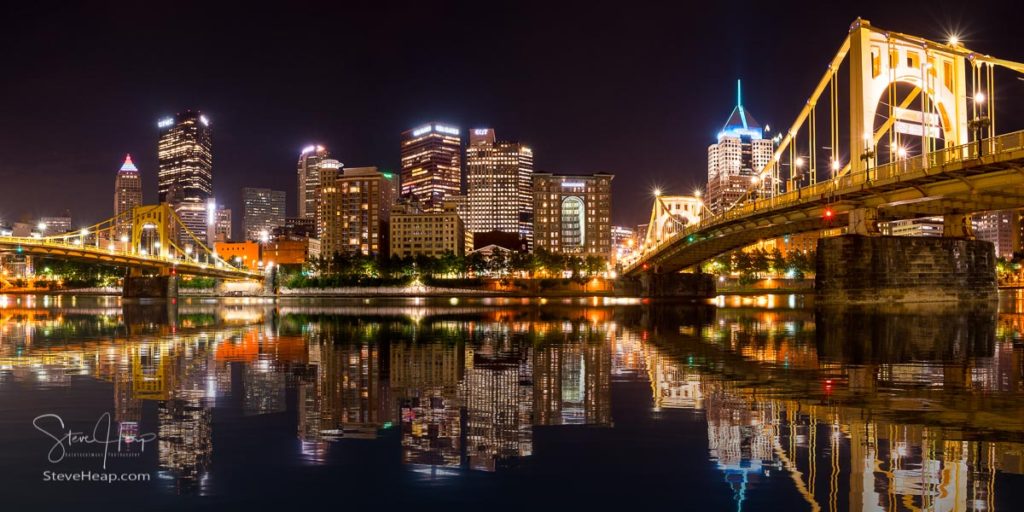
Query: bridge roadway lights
[[676, 285], [858, 269]]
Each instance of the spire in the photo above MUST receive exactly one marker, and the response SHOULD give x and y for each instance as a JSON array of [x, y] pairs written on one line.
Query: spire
[[740, 123], [739, 93], [128, 165]]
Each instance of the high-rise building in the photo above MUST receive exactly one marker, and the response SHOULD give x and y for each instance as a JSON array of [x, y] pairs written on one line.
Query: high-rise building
[[328, 208], [366, 198], [572, 214], [1002, 228], [222, 231], [498, 185], [431, 164], [734, 161], [309, 179], [185, 173], [185, 155], [54, 225], [127, 193], [264, 211]]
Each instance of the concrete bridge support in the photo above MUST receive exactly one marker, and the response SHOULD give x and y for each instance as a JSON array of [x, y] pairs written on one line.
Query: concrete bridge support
[[150, 287], [857, 269], [676, 285]]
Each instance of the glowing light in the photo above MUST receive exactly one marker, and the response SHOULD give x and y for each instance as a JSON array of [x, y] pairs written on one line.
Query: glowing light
[[421, 130], [124, 239], [204, 120], [308, 149], [446, 129], [657, 192], [697, 193], [799, 162], [835, 165], [165, 122], [828, 214], [979, 97], [264, 236], [901, 152], [42, 226], [84, 232], [755, 179], [480, 131], [954, 39]]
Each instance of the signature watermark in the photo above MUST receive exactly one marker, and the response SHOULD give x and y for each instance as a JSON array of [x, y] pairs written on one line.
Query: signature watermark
[[104, 442]]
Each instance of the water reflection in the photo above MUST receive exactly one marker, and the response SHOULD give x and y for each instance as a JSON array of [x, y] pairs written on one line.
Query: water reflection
[[851, 409]]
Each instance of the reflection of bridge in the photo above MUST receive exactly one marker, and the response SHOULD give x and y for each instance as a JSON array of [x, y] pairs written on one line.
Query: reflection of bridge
[[146, 240], [877, 175]]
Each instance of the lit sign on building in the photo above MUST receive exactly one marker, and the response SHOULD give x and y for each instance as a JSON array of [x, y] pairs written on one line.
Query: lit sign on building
[[573, 184], [164, 123], [480, 131], [446, 129], [420, 131], [204, 120], [308, 149]]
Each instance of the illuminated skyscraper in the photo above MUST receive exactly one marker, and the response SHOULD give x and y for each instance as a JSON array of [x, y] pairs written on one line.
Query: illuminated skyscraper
[[185, 175], [572, 214], [127, 191], [498, 184], [366, 198], [264, 211], [431, 164], [185, 156], [309, 179], [733, 162]]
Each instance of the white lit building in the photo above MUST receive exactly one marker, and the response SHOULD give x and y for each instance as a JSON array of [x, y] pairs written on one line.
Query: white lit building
[[734, 161], [498, 181]]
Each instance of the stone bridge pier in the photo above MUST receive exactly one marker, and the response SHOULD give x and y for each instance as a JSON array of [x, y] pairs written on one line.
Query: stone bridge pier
[[675, 285], [138, 286], [869, 269]]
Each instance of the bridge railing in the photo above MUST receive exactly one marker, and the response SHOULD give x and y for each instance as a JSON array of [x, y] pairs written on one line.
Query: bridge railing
[[834, 188], [80, 245]]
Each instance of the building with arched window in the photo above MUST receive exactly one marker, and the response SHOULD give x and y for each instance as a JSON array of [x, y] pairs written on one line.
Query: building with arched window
[[572, 214]]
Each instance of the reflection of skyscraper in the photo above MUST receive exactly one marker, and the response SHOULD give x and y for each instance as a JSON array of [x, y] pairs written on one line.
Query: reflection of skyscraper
[[185, 437], [572, 384], [499, 408], [264, 388], [424, 381]]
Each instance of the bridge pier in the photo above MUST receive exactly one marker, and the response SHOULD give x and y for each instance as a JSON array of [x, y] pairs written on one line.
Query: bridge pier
[[858, 269], [676, 285], [150, 287]]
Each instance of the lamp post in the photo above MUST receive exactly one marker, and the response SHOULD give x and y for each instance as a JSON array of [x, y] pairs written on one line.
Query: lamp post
[[980, 122], [867, 156]]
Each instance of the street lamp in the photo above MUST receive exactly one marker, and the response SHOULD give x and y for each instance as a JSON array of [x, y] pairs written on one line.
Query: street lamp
[[868, 155], [980, 121]]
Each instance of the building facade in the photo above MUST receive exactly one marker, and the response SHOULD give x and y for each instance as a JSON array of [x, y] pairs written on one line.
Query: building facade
[[414, 232], [185, 172], [222, 231], [499, 177], [354, 207], [309, 178], [264, 211], [1002, 228], [572, 214], [431, 165], [127, 193], [736, 159]]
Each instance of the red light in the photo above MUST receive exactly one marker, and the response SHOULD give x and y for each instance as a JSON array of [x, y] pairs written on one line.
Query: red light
[[829, 382], [829, 213]]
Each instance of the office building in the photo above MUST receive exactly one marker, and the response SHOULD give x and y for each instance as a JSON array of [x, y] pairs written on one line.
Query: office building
[[1002, 228], [328, 208], [264, 211], [431, 165], [222, 230], [498, 185], [309, 179], [736, 159], [185, 173], [53, 225], [127, 194], [924, 226], [366, 196], [623, 243], [572, 214], [185, 158], [415, 232]]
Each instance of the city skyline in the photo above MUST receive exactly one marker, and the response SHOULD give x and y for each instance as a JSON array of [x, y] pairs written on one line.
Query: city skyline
[[652, 129]]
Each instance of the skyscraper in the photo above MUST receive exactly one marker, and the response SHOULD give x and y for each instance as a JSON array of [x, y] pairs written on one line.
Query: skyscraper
[[498, 185], [733, 162], [127, 192], [328, 207], [185, 156], [185, 173], [356, 210], [572, 214], [309, 179], [264, 211], [431, 164]]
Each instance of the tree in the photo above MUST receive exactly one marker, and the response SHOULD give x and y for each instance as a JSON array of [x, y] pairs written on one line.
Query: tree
[[777, 262], [594, 264]]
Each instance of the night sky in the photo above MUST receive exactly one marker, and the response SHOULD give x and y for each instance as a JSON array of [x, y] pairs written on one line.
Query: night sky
[[632, 89]]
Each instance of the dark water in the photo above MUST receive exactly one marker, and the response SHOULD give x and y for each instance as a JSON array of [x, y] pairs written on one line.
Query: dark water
[[752, 403]]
